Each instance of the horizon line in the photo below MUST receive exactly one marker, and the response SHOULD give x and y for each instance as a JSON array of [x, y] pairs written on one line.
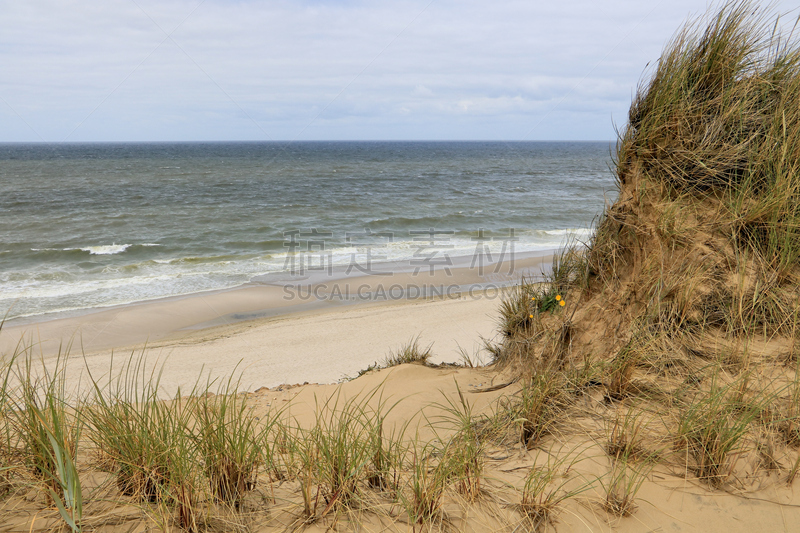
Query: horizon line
[[276, 141]]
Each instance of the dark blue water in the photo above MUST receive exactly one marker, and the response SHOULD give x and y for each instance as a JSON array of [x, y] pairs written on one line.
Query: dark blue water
[[88, 225]]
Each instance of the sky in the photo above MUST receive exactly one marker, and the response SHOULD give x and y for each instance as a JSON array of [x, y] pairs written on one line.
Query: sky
[[246, 70]]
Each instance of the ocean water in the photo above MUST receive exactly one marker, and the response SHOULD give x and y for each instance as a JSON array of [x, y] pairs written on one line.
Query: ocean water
[[93, 225]]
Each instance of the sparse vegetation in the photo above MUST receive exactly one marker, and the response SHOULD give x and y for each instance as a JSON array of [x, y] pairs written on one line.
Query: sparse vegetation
[[546, 486], [712, 425], [625, 435], [410, 353], [428, 479], [464, 453], [623, 483], [347, 444]]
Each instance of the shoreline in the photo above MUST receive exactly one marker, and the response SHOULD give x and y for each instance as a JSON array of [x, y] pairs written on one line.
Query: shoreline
[[317, 329], [338, 274]]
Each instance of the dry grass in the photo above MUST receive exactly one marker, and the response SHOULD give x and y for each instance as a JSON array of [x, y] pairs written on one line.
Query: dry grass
[[409, 353], [689, 286], [547, 486]]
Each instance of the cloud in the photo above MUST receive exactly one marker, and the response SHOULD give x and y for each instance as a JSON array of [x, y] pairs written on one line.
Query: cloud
[[201, 70]]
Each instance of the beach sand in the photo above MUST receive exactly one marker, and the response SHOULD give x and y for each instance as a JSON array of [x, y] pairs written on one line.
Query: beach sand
[[317, 330]]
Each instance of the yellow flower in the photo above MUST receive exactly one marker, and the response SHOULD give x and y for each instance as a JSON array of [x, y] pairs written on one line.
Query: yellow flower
[[562, 303], [532, 298], [558, 297], [530, 316]]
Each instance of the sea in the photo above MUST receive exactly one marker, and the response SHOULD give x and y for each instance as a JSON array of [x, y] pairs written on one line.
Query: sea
[[86, 226]]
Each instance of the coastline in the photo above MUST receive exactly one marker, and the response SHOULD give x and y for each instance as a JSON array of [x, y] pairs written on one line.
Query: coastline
[[318, 329]]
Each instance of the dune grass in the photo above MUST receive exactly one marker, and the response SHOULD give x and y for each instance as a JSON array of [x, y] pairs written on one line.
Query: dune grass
[[48, 432], [547, 486], [409, 353], [464, 451], [347, 444], [713, 147], [623, 483], [713, 424], [685, 300]]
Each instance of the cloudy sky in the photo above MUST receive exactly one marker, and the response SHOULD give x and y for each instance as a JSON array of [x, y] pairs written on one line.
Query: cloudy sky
[[172, 70]]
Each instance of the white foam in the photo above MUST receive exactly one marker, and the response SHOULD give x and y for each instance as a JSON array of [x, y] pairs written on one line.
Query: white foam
[[577, 232], [404, 250], [156, 278], [108, 249]]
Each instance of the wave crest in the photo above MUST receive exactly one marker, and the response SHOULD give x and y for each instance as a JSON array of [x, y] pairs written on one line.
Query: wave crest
[[107, 249]]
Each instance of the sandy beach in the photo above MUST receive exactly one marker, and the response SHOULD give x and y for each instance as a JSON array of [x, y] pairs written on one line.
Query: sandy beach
[[316, 330]]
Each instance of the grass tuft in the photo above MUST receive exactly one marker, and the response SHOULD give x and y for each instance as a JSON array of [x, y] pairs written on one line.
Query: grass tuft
[[427, 481], [712, 426], [231, 442], [623, 484], [410, 353], [546, 487]]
